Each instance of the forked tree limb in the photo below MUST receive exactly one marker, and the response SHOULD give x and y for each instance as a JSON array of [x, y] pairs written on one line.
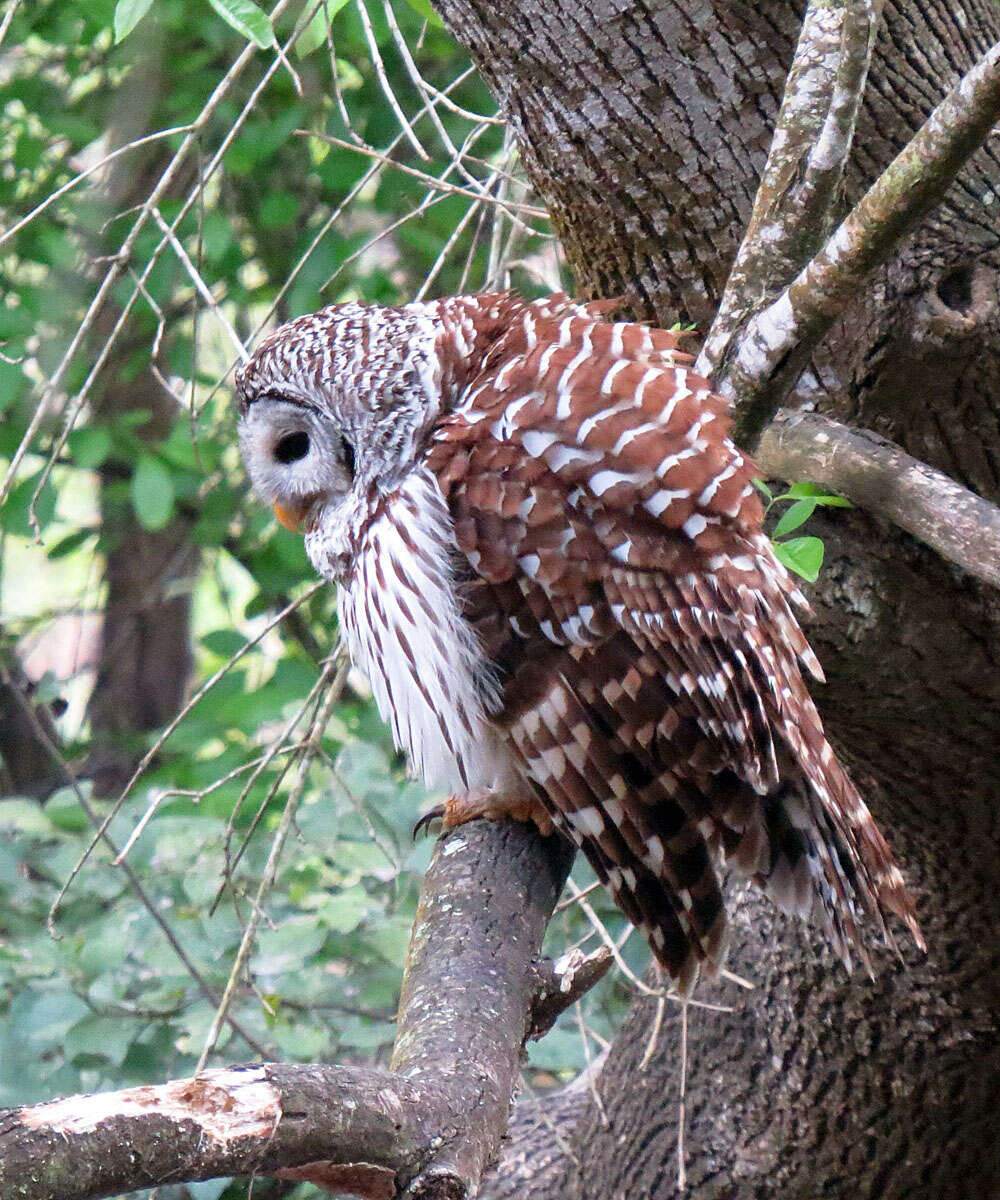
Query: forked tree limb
[[883, 479], [768, 355], [801, 182], [428, 1126]]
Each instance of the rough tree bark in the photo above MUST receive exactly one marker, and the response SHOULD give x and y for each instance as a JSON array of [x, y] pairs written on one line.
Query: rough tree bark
[[645, 127]]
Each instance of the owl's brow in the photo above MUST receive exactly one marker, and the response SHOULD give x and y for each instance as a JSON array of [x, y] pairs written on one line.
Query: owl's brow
[[273, 393]]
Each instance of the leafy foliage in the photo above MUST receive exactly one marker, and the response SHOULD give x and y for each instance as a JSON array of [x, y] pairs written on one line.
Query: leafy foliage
[[803, 555]]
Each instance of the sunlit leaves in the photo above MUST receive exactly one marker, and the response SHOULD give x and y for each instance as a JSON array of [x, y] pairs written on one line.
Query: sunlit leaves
[[246, 18], [128, 14], [152, 492]]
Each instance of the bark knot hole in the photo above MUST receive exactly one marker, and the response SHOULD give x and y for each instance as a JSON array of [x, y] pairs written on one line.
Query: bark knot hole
[[969, 291]]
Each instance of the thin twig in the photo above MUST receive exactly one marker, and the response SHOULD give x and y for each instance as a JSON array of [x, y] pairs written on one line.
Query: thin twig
[[384, 84], [682, 1101], [336, 676], [200, 285], [70, 184], [431, 181], [7, 18]]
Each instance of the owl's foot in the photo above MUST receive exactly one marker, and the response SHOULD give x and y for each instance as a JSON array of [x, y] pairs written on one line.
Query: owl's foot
[[483, 804]]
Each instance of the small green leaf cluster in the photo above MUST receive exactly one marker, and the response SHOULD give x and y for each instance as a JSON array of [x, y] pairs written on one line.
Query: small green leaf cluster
[[803, 554]]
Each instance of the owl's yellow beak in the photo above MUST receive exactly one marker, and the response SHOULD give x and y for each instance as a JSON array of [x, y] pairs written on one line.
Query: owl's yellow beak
[[291, 518]]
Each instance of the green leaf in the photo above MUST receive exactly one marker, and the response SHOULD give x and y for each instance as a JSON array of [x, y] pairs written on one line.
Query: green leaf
[[803, 555], [314, 34], [72, 541], [246, 18], [128, 14], [152, 493], [793, 517], [812, 491], [90, 447], [764, 490], [224, 642], [278, 209], [424, 9], [345, 911], [65, 812]]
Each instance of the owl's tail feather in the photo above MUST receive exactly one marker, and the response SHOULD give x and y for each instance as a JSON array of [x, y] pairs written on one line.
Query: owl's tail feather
[[818, 854]]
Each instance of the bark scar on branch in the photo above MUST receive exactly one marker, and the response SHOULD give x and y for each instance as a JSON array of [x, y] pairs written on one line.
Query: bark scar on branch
[[562, 983]]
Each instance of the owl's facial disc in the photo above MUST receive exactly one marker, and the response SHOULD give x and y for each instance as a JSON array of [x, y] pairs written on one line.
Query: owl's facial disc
[[297, 459]]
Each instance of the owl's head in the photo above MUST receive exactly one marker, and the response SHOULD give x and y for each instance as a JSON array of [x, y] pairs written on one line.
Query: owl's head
[[338, 403]]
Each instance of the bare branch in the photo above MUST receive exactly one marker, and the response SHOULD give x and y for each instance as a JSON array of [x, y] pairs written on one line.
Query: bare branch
[[563, 982], [805, 164], [435, 1121], [777, 340], [235, 1121], [880, 477]]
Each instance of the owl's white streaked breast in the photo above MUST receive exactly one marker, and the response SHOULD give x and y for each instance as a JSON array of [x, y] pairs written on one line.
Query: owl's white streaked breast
[[401, 617]]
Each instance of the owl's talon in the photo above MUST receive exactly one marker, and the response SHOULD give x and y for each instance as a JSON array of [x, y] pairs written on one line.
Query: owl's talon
[[437, 813]]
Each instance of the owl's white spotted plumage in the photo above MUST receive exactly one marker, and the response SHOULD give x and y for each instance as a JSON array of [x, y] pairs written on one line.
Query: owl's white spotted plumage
[[553, 572]]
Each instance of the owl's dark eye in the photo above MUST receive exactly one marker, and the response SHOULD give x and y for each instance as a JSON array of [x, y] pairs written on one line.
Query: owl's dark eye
[[348, 451], [292, 447]]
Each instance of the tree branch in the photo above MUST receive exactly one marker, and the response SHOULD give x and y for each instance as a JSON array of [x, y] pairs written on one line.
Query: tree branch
[[429, 1125], [880, 477], [805, 164], [777, 341], [236, 1121]]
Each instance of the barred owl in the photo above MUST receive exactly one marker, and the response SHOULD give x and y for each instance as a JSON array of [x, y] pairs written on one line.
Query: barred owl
[[552, 570]]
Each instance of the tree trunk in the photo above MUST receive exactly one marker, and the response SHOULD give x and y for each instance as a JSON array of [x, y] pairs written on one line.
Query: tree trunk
[[145, 655], [644, 127]]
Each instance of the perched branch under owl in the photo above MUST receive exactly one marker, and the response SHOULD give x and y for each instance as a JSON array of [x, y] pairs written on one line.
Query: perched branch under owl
[[431, 1124]]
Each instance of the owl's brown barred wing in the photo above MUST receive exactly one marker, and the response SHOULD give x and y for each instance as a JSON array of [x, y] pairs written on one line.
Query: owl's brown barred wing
[[604, 791], [597, 496]]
